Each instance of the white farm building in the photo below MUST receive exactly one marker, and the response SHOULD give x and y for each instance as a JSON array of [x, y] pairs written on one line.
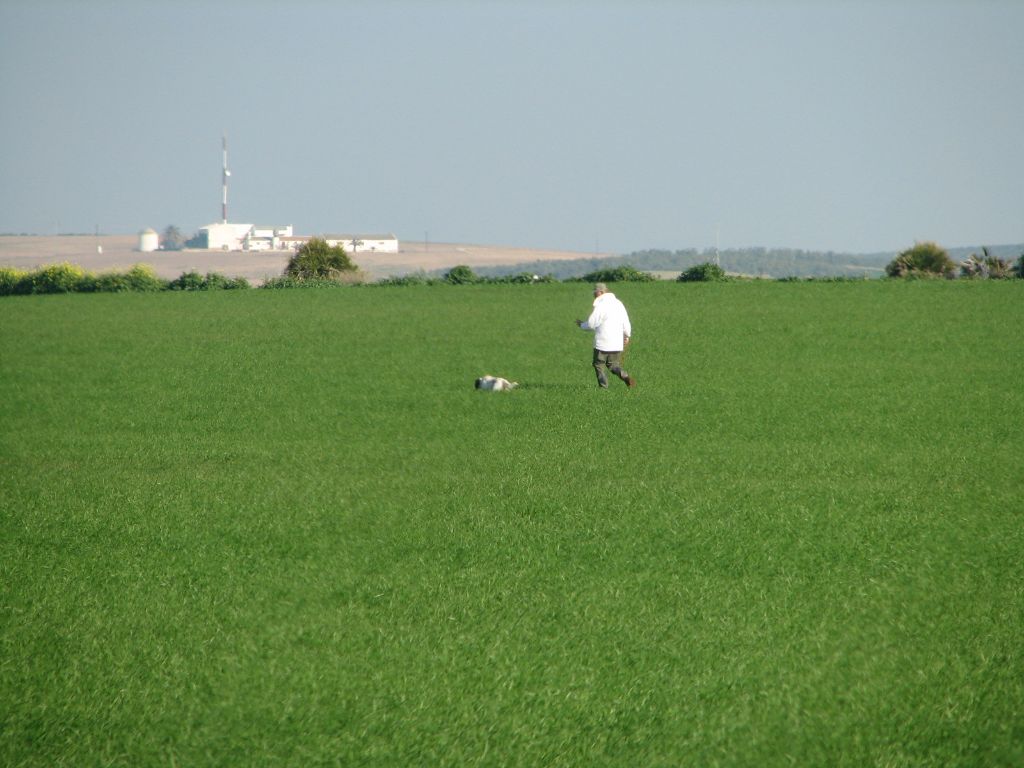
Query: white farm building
[[244, 237], [253, 237], [352, 244]]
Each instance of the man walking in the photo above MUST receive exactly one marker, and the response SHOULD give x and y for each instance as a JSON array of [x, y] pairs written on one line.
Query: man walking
[[610, 323]]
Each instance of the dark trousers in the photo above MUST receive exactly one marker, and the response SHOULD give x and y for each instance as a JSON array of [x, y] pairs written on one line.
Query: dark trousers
[[610, 360]]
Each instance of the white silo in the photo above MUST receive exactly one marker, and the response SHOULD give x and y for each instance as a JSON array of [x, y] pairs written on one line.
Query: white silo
[[149, 240]]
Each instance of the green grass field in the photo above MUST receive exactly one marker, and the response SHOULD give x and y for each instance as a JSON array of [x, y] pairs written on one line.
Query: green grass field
[[282, 528]]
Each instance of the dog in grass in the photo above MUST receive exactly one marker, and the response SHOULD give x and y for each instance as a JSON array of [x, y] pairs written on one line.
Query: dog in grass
[[495, 384]]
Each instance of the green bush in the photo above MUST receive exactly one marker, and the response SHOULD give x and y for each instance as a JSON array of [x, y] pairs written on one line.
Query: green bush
[[414, 278], [56, 278], [141, 277], [703, 273], [236, 284], [623, 274], [285, 281], [14, 281], [211, 281], [461, 275], [316, 260], [1018, 268], [923, 260], [215, 281], [187, 281], [106, 282]]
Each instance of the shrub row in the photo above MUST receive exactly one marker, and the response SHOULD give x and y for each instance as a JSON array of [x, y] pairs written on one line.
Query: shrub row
[[465, 276], [211, 281], [70, 278], [287, 281], [707, 272]]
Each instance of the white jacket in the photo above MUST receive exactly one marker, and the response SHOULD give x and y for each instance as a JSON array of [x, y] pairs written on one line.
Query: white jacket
[[610, 323]]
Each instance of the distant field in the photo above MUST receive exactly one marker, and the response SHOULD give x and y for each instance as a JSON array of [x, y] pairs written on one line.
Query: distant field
[[282, 528], [107, 252]]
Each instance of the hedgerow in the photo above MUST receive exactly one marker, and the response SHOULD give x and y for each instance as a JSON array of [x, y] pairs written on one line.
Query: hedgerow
[[623, 274], [276, 283], [57, 278], [211, 281], [70, 278]]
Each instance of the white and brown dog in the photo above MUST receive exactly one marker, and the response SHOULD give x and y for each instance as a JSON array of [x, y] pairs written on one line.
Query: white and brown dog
[[495, 384]]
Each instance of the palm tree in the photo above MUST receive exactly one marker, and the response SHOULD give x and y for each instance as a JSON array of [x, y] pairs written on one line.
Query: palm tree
[[986, 265]]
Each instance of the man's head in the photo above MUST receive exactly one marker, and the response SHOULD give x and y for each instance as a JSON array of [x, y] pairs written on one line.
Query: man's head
[[600, 288]]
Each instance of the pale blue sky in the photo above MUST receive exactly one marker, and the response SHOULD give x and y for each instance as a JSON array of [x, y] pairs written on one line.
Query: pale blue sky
[[618, 125]]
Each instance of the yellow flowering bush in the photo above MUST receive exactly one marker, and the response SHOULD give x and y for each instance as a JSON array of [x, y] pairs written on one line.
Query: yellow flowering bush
[[13, 280]]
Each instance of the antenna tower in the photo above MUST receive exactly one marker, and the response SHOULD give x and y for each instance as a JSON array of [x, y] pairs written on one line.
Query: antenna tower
[[224, 182]]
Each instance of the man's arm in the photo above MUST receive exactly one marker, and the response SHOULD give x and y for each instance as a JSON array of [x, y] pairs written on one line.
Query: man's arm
[[591, 322]]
